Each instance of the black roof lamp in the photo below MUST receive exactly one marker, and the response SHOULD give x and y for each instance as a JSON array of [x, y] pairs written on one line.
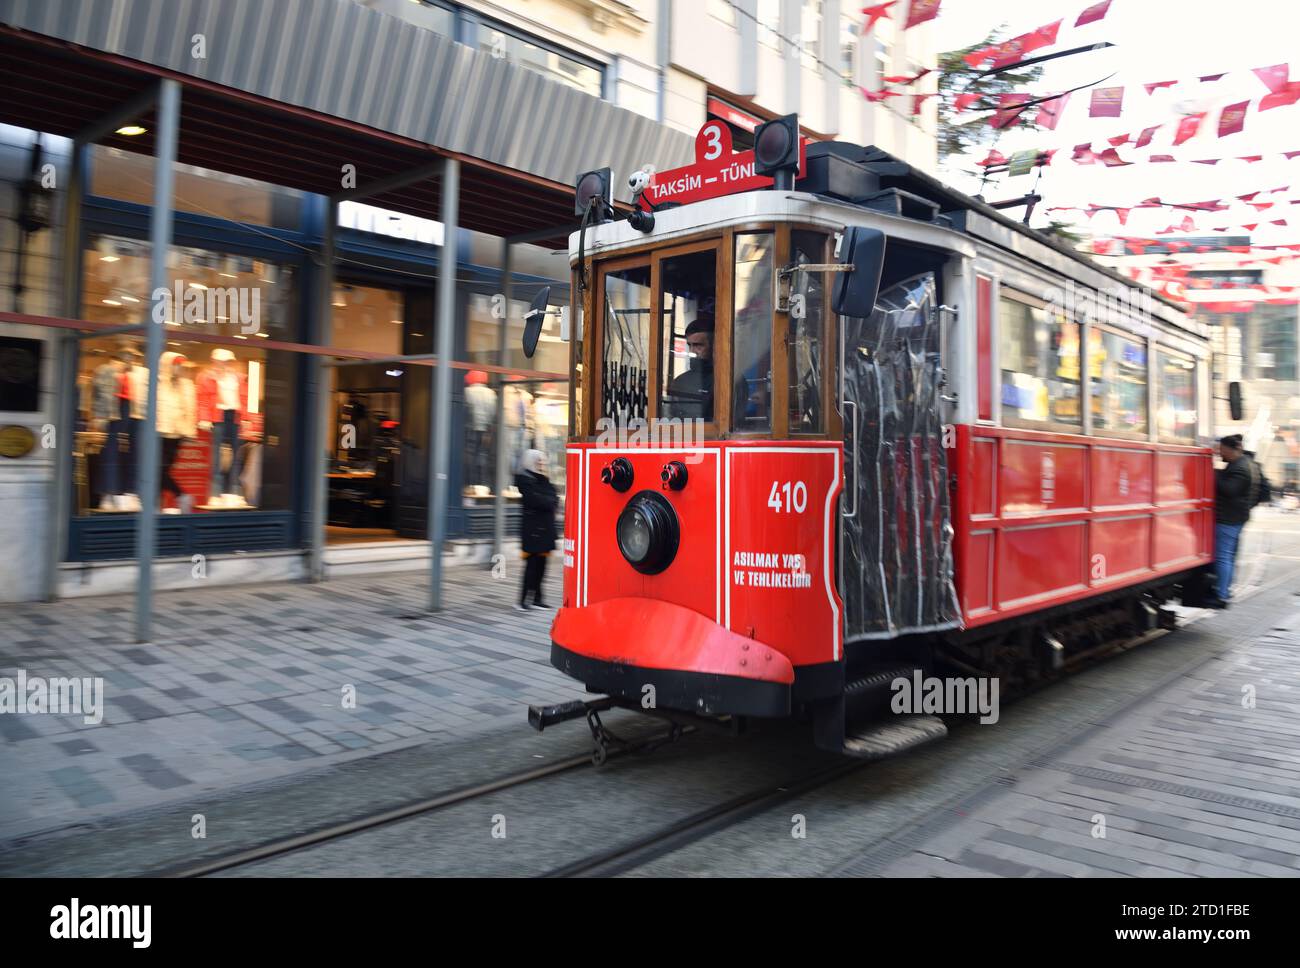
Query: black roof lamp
[[776, 150]]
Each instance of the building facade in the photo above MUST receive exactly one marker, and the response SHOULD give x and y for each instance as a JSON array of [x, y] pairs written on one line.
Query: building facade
[[293, 311]]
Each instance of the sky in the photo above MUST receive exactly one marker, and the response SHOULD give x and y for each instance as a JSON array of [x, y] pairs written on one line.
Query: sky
[[1155, 40]]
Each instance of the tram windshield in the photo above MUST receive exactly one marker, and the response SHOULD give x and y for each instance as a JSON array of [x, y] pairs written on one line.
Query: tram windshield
[[692, 332]]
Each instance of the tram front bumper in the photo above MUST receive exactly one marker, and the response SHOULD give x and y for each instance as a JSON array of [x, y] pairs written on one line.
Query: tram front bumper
[[690, 663]]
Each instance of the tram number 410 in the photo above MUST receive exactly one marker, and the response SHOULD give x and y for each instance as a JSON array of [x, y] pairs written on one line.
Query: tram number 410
[[788, 497]]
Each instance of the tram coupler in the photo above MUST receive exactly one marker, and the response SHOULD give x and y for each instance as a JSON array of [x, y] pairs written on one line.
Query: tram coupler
[[539, 717]]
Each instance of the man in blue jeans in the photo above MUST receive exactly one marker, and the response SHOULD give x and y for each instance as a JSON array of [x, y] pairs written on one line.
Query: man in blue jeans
[[1236, 490]]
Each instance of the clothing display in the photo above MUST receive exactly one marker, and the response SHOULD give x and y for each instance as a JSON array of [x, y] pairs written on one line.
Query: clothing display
[[223, 409], [480, 424], [177, 418]]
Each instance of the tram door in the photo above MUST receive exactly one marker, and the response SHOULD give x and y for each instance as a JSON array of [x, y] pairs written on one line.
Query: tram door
[[897, 530]]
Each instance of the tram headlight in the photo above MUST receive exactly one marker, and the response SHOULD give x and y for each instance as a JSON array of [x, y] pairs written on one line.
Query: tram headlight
[[647, 533]]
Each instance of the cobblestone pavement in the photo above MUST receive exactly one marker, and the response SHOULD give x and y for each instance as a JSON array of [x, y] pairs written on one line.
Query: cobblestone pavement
[[246, 683]]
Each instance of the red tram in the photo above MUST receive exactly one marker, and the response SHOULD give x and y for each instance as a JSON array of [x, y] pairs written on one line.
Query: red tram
[[834, 430]]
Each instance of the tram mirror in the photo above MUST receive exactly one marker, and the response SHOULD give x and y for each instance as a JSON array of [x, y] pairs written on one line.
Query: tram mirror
[[855, 292], [1235, 406], [534, 319]]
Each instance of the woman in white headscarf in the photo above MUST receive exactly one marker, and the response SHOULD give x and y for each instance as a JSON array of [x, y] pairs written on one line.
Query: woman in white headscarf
[[536, 525]]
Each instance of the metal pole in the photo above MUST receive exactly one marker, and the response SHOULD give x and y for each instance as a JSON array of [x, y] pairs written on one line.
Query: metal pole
[[440, 399], [321, 403], [160, 240], [67, 349], [503, 359]]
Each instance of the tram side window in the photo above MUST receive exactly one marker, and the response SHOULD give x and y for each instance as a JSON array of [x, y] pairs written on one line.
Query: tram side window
[[804, 343], [626, 353], [688, 293], [751, 407], [1040, 366], [1117, 368], [1176, 407]]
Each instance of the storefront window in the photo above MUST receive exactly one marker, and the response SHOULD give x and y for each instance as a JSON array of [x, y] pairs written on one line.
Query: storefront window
[[206, 292], [128, 177], [1117, 368], [1176, 405], [1040, 366], [225, 422], [225, 412], [751, 406]]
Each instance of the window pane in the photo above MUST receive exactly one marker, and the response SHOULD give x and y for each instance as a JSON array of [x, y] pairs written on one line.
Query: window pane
[[627, 344], [1118, 370], [526, 53], [804, 342], [1176, 413], [751, 407], [1040, 366], [688, 285]]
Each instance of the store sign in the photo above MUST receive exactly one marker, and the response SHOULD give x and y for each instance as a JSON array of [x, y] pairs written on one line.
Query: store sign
[[16, 441], [717, 171], [395, 225]]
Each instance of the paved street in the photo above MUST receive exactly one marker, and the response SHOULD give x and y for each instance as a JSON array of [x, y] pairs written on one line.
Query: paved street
[[245, 684], [240, 718]]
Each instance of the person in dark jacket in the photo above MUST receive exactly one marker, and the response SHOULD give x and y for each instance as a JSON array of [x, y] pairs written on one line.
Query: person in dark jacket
[[1236, 489], [536, 525]]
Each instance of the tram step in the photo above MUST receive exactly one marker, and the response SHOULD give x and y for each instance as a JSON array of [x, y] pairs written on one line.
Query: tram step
[[874, 741]]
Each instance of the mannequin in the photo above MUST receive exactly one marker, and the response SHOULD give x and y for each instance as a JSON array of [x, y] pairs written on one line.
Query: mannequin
[[519, 422], [105, 415], [480, 420], [177, 422], [223, 408]]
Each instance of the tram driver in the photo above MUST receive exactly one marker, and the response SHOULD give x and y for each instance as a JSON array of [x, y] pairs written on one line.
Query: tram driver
[[691, 392]]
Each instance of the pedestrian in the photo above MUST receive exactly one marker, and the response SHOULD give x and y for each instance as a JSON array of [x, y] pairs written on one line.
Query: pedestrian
[[536, 525], [1236, 490]]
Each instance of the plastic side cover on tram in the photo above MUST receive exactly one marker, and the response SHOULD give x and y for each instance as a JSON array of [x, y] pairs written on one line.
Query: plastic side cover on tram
[[897, 533]]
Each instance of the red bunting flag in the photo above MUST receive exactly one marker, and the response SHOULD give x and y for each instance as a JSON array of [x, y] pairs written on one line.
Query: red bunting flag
[[1152, 88], [1093, 13], [1009, 110], [1049, 112], [995, 157], [1288, 94], [1111, 159], [1145, 137], [963, 101], [1083, 154], [920, 11], [875, 13], [1162, 158], [1275, 77], [876, 97], [1248, 226], [1210, 77], [1014, 50], [1290, 154], [918, 101], [1278, 221], [1106, 102], [1250, 159], [1233, 118], [1188, 127], [1247, 198], [1119, 140], [1207, 161], [1123, 215], [1152, 202], [1260, 206]]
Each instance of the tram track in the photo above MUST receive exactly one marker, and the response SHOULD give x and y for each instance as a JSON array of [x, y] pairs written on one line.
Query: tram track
[[333, 832], [629, 854]]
